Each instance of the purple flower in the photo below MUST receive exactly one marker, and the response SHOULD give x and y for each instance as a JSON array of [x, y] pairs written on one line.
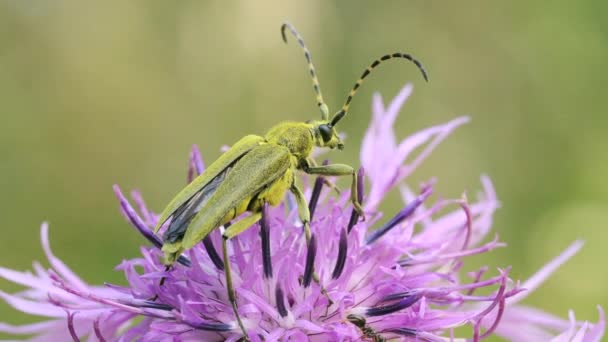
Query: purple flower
[[396, 277]]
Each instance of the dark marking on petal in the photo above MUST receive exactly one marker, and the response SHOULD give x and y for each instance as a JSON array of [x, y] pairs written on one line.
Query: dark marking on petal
[[155, 305], [399, 296], [314, 197], [141, 227], [278, 293], [310, 261], [405, 262], [316, 192], [390, 308], [291, 300], [265, 235], [341, 261], [184, 261], [212, 252], [220, 327], [360, 184], [135, 220], [402, 215], [137, 303], [404, 331]]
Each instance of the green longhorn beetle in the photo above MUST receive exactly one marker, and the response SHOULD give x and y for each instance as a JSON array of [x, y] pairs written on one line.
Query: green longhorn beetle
[[256, 171]]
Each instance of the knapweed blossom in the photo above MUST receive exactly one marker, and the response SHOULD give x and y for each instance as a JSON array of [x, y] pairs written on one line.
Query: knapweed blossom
[[388, 277]]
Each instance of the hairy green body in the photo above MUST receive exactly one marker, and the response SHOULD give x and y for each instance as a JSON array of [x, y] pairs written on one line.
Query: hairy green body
[[254, 171]]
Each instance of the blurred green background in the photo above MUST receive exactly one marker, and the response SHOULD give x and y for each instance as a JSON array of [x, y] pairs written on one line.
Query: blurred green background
[[102, 92]]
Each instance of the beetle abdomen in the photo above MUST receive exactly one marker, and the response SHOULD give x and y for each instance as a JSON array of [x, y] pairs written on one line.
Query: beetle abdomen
[[274, 193]]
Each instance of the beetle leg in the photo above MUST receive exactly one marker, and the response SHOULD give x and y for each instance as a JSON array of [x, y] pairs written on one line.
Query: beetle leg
[[329, 184], [303, 211], [229, 233], [241, 226], [339, 170], [304, 215]]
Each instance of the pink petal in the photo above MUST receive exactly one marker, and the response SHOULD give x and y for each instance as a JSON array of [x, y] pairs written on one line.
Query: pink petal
[[23, 278], [384, 166], [596, 333], [377, 107], [393, 109], [32, 307], [443, 132], [34, 328], [540, 276], [57, 264], [379, 139]]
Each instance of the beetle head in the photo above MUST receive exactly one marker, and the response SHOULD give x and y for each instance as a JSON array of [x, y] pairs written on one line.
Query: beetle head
[[325, 135]]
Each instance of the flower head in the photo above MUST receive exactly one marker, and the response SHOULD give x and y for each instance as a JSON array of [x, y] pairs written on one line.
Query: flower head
[[386, 277]]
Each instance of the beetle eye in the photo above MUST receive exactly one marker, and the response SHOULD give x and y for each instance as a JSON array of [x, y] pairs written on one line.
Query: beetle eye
[[326, 132]]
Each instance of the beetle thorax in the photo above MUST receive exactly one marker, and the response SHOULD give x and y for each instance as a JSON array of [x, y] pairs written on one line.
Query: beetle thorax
[[296, 136]]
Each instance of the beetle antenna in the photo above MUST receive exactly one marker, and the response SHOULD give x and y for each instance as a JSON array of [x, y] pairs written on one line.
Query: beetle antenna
[[340, 114], [313, 74]]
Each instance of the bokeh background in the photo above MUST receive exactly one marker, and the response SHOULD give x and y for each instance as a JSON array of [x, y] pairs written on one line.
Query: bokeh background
[[102, 92]]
